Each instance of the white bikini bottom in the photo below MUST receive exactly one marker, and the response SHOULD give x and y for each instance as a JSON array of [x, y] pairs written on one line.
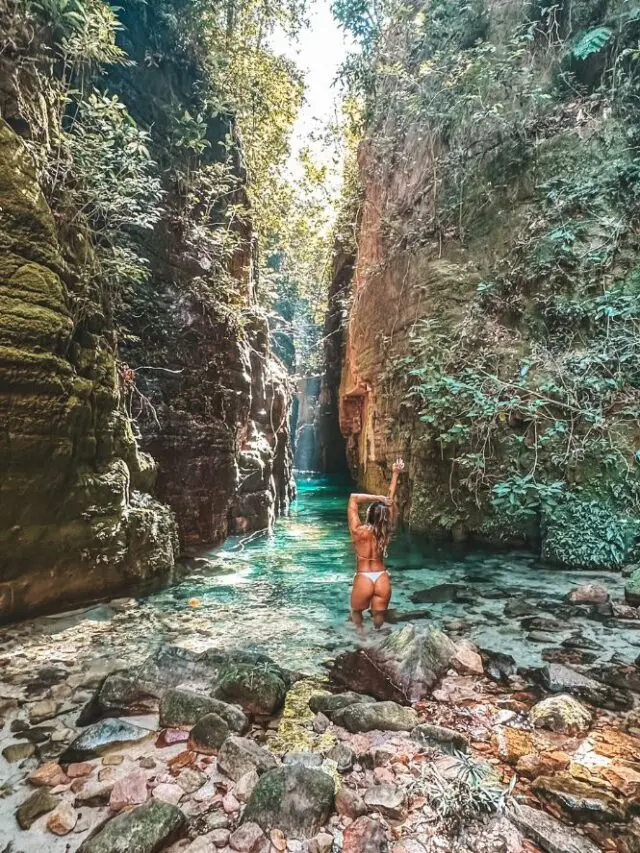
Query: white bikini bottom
[[373, 576]]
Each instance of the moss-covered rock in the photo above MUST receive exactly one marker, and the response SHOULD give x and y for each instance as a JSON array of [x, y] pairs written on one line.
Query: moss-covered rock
[[632, 589]]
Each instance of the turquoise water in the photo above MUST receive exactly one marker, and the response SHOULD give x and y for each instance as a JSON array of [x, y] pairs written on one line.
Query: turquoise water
[[287, 594]]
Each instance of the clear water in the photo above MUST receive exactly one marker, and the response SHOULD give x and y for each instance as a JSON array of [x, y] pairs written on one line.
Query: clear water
[[287, 594]]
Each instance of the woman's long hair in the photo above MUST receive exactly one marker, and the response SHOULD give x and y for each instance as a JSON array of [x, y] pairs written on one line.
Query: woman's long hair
[[379, 520]]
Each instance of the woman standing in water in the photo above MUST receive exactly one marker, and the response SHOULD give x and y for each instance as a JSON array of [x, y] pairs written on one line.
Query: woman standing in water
[[372, 585]]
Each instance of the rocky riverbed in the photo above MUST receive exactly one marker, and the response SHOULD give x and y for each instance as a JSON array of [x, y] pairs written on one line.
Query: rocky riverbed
[[414, 742]]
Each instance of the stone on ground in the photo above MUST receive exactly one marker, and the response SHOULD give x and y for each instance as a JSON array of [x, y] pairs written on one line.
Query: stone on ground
[[384, 716], [349, 803], [327, 702], [365, 835], [296, 799], [146, 829], [62, 819], [34, 807], [131, 790], [467, 659], [45, 709], [343, 756], [49, 775], [588, 593], [246, 783], [321, 843], [239, 755], [307, 759], [579, 801], [632, 589], [208, 734], [256, 689], [440, 737], [249, 838], [185, 708], [389, 800], [101, 736], [547, 832], [18, 752], [561, 713], [167, 792]]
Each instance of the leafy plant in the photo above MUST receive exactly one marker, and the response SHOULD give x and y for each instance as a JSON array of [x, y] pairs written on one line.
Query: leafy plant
[[591, 42]]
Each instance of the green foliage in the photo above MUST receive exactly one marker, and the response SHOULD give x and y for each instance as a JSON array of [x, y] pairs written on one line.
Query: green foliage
[[591, 42]]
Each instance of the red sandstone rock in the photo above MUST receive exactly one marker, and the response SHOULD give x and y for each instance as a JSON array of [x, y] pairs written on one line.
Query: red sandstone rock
[[349, 803], [131, 790], [365, 835], [78, 770], [49, 775]]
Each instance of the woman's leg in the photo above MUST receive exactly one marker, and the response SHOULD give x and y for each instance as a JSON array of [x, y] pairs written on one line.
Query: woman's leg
[[361, 594], [380, 599]]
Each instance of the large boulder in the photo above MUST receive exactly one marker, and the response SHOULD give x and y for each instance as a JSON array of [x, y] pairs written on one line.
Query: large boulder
[[588, 593], [257, 689], [296, 799], [147, 829], [403, 667], [100, 737], [208, 734], [239, 755], [558, 678], [579, 801], [560, 713], [384, 716], [180, 707]]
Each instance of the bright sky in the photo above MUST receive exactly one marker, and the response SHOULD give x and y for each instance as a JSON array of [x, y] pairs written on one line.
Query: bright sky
[[319, 51]]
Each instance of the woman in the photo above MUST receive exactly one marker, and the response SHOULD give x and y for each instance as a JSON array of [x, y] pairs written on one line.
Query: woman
[[371, 585]]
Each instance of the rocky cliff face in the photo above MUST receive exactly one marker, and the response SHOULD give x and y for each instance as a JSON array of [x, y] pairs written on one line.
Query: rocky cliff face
[[76, 517], [496, 238], [195, 383]]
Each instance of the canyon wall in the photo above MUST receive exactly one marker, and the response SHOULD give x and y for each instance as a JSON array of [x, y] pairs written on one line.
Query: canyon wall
[[495, 296], [138, 422]]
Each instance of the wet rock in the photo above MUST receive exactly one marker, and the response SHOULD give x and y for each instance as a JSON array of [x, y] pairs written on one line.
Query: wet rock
[[34, 807], [624, 611], [131, 790], [326, 703], [547, 832], [343, 756], [119, 693], [18, 752], [186, 708], [516, 608], [560, 713], [389, 800], [404, 666], [588, 593], [101, 736], [440, 737], [249, 838], [349, 803], [540, 637], [240, 755], [307, 759], [146, 829], [497, 665], [245, 786], [257, 690], [38, 734], [581, 641], [632, 588], [542, 624], [365, 835], [167, 792], [623, 676], [439, 594], [63, 819], [558, 678], [296, 799], [385, 716], [208, 734], [467, 659], [581, 802], [49, 775]]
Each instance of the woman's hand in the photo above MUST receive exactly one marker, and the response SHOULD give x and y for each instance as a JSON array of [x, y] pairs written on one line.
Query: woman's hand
[[398, 465]]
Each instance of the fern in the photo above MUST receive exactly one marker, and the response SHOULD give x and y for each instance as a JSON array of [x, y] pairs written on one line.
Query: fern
[[591, 42]]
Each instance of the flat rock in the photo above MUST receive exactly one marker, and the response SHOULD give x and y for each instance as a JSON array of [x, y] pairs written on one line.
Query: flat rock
[[180, 707], [439, 737], [307, 759], [18, 752], [146, 829], [101, 736], [327, 702], [581, 802], [384, 716], [167, 792], [49, 775], [296, 799], [130, 790], [208, 734], [558, 678], [365, 835], [239, 755], [548, 833], [438, 594], [561, 713], [45, 709], [94, 793], [467, 659], [389, 800], [38, 804]]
